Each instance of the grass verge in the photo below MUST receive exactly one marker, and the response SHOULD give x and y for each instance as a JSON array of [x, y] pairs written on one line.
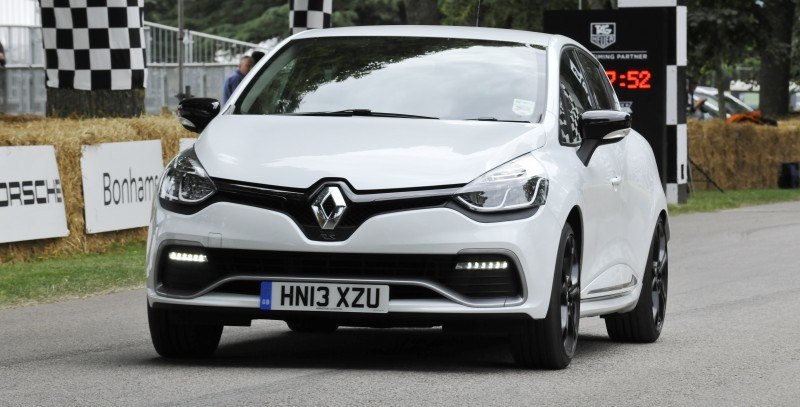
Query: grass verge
[[710, 201], [48, 280]]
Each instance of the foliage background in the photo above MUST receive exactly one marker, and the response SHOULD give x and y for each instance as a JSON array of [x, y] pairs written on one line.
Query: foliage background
[[728, 27], [258, 20]]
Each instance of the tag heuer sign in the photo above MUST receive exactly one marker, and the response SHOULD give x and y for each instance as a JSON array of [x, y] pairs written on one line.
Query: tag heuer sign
[[603, 34]]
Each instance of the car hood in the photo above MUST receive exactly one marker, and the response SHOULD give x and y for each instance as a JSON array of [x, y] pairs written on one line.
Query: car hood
[[371, 153]]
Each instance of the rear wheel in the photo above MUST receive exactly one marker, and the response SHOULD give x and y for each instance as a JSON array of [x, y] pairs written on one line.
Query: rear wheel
[[173, 339], [643, 324], [311, 326], [550, 343]]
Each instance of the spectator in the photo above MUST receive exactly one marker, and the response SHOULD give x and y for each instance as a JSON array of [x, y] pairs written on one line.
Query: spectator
[[694, 108], [2, 79], [245, 64]]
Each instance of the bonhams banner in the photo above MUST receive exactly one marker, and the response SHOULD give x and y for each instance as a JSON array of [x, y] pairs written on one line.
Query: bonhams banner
[[120, 181], [31, 199]]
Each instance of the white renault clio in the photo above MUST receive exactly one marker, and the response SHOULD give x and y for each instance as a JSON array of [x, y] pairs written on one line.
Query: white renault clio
[[412, 176]]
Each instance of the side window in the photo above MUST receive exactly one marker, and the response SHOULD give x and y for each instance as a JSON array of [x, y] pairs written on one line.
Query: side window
[[598, 84], [573, 98]]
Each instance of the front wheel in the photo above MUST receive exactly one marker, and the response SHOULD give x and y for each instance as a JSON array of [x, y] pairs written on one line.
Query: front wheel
[[550, 343], [643, 324], [175, 339]]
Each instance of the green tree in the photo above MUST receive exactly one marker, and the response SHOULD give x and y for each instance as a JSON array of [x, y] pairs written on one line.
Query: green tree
[[424, 12], [796, 47], [258, 20], [721, 34], [515, 14], [246, 20], [777, 17]]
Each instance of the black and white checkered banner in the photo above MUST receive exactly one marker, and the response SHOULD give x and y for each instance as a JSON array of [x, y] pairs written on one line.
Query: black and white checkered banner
[[308, 14], [677, 165], [94, 44]]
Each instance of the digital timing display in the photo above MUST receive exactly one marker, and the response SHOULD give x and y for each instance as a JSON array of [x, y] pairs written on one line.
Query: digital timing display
[[633, 79], [636, 48]]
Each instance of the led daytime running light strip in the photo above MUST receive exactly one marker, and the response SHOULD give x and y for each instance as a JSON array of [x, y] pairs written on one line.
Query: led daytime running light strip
[[482, 265], [194, 258]]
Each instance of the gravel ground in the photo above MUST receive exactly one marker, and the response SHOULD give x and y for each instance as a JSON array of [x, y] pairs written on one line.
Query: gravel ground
[[731, 338]]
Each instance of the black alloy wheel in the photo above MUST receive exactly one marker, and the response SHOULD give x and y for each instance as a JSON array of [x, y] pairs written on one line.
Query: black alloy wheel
[[570, 295], [658, 293], [550, 343], [644, 323]]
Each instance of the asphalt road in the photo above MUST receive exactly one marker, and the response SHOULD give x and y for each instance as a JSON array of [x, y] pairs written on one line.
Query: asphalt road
[[731, 337]]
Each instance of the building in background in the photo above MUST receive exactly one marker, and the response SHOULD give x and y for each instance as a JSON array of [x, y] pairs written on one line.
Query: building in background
[[23, 85], [748, 93], [15, 17], [19, 12]]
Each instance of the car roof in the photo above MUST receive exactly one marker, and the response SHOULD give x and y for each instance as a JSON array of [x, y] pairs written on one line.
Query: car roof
[[436, 31]]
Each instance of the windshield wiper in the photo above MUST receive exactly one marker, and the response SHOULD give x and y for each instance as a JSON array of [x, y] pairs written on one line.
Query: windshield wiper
[[360, 112], [494, 119]]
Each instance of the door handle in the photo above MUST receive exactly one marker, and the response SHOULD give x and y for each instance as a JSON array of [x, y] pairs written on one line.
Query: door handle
[[615, 181]]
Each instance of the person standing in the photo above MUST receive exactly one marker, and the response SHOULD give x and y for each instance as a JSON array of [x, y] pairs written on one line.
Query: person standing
[[2, 79], [245, 64]]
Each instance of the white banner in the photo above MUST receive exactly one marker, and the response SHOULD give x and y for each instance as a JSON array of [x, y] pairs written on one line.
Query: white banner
[[186, 143], [31, 199], [120, 181]]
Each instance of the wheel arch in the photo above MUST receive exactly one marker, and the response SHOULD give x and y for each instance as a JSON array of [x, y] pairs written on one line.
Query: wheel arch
[[575, 220], [665, 217]]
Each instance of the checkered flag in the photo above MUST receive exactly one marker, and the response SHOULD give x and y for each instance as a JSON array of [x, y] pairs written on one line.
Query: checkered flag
[[308, 14], [94, 44]]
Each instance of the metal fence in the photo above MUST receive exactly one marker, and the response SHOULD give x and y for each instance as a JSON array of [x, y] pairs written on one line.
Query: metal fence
[[22, 81], [199, 48], [209, 59]]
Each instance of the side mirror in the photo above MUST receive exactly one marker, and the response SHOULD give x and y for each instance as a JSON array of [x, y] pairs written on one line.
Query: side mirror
[[600, 127], [195, 114]]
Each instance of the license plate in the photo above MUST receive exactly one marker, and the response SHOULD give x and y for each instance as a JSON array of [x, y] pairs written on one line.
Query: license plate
[[277, 295]]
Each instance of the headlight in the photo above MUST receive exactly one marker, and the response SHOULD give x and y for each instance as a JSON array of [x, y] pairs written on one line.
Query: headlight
[[185, 180], [517, 184]]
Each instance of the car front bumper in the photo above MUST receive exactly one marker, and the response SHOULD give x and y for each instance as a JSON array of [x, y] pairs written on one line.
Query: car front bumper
[[531, 242]]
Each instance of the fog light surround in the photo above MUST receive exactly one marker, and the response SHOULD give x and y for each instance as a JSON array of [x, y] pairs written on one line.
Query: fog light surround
[[188, 257], [482, 265]]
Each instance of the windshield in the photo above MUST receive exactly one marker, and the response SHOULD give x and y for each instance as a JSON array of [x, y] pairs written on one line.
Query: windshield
[[441, 78]]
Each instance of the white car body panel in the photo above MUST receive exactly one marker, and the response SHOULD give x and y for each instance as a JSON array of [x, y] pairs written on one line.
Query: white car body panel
[[383, 153]]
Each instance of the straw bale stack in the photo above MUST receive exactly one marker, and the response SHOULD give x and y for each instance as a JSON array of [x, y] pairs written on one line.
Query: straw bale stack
[[742, 156], [68, 135]]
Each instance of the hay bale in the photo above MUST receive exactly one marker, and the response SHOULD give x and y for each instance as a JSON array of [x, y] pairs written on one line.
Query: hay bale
[[743, 156], [68, 135]]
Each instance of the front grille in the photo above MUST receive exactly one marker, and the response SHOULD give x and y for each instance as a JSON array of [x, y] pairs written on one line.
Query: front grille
[[190, 278], [297, 205]]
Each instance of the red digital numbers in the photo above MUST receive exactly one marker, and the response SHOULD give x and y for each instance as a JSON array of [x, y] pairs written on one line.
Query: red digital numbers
[[630, 79]]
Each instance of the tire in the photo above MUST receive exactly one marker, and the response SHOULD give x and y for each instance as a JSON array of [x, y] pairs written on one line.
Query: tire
[[311, 326], [173, 339], [550, 343], [643, 324]]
